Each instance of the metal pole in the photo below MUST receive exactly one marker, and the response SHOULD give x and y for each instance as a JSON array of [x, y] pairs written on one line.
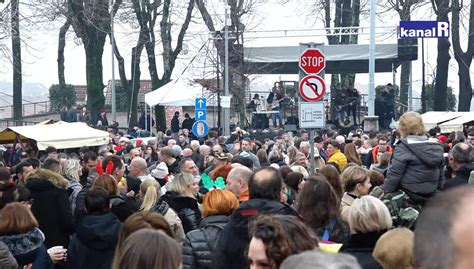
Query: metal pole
[[410, 89], [312, 135], [372, 59], [219, 108], [226, 70], [112, 41], [423, 93], [146, 123]]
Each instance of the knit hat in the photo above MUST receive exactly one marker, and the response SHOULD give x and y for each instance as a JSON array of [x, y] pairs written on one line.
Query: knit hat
[[161, 171]]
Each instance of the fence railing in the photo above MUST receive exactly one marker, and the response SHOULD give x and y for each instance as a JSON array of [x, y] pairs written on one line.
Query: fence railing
[[29, 109]]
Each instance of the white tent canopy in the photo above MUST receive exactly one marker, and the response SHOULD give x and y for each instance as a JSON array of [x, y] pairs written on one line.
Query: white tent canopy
[[434, 121], [457, 124], [177, 93], [61, 135]]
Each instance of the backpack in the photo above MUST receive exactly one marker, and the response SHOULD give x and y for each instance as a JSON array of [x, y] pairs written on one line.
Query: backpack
[[402, 214]]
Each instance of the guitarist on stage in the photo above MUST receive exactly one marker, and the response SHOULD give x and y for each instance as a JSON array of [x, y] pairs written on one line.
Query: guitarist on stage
[[274, 101]]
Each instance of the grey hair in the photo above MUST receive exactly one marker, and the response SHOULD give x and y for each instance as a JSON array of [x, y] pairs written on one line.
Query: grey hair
[[369, 214], [72, 169], [316, 259]]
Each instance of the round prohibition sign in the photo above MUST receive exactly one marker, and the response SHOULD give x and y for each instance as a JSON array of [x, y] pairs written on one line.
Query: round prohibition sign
[[312, 88]]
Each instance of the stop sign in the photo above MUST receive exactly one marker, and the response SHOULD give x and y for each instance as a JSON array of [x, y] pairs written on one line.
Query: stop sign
[[312, 61]]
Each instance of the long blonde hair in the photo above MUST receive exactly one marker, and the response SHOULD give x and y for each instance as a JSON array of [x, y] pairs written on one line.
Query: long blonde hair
[[149, 189]]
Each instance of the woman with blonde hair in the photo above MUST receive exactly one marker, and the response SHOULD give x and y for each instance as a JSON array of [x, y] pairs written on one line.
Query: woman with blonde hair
[[417, 162], [150, 192], [19, 231], [182, 197], [369, 219], [394, 249], [199, 246], [72, 171], [356, 183], [291, 151]]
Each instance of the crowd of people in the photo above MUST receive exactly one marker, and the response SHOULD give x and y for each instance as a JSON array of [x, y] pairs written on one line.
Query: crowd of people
[[396, 200]]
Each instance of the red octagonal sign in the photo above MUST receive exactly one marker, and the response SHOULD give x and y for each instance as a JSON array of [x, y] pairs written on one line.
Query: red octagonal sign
[[312, 61]]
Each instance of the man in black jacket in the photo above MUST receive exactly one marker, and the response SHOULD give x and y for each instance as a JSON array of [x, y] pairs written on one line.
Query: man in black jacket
[[188, 122], [461, 161], [265, 187], [175, 126]]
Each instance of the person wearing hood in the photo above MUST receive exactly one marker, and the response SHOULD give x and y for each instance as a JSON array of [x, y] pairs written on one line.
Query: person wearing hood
[[150, 192], [93, 245], [19, 232], [51, 206], [461, 161], [417, 162]]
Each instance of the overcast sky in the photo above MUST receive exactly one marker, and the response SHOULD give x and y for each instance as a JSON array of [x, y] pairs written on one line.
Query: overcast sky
[[39, 61]]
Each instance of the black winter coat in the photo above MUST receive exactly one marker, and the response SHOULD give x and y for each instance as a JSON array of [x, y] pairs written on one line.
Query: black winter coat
[[461, 178], [187, 209], [175, 124], [416, 167], [361, 247], [93, 245], [123, 207], [188, 124], [51, 206], [234, 239], [199, 245], [28, 248]]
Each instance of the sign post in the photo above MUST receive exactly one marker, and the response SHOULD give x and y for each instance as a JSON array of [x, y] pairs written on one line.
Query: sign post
[[200, 127], [312, 88]]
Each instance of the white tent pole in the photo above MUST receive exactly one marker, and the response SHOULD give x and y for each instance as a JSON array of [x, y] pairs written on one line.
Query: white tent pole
[[151, 119], [145, 118]]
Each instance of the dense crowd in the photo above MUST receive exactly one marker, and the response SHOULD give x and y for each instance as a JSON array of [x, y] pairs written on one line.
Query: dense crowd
[[396, 199]]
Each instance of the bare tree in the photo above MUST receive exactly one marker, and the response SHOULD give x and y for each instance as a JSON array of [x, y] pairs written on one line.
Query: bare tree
[[464, 59], [237, 79], [442, 9], [91, 22], [16, 53], [405, 8], [346, 14], [147, 14]]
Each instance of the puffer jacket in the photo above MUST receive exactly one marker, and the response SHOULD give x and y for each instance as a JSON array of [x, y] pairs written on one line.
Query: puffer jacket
[[51, 206], [338, 158], [28, 248], [199, 245], [7, 261], [187, 209], [172, 218], [416, 167]]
